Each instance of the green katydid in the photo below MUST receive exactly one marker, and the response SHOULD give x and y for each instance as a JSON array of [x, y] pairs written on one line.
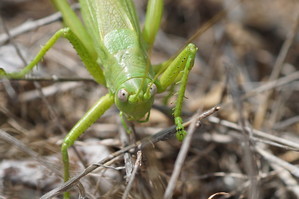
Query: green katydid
[[115, 51]]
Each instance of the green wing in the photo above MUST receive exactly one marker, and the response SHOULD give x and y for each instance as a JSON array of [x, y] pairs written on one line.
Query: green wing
[[104, 16]]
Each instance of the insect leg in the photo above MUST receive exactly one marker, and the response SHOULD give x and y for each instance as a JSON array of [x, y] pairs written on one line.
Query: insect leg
[[71, 20], [80, 39], [88, 119], [152, 21], [38, 57], [179, 67], [87, 59]]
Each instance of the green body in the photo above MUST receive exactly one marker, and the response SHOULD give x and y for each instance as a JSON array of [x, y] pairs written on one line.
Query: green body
[[116, 36], [115, 51], [121, 52]]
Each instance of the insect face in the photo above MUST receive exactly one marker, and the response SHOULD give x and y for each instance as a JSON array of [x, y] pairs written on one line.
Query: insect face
[[134, 101]]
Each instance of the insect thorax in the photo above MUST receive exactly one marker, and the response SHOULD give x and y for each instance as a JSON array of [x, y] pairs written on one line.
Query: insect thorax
[[125, 58]]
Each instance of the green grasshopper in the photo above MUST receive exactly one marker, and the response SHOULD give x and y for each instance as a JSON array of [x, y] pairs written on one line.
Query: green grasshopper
[[115, 51]]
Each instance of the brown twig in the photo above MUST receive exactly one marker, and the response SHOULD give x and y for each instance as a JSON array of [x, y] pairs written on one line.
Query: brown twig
[[261, 111], [219, 194], [43, 97], [160, 136], [266, 87], [124, 137], [248, 159], [31, 25], [291, 168], [132, 176], [180, 159], [256, 133], [49, 90], [22, 147], [284, 173]]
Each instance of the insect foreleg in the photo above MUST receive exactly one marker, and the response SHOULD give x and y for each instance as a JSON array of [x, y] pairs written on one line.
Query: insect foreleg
[[88, 119], [183, 63]]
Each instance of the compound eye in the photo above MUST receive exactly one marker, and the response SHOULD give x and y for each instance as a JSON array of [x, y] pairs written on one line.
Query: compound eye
[[153, 89], [123, 95]]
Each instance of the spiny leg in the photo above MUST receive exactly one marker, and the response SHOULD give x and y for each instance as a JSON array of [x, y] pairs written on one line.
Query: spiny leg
[[37, 58], [181, 133], [88, 119], [88, 60], [80, 39], [71, 20], [183, 63]]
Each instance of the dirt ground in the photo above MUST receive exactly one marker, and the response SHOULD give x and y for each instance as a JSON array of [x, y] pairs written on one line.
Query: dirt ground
[[247, 64]]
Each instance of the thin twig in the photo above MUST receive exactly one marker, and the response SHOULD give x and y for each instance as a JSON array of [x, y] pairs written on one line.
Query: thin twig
[[31, 25], [49, 90], [22, 147], [54, 78], [219, 194], [36, 84], [285, 123], [44, 99], [124, 137], [248, 159], [180, 159], [266, 87], [291, 168], [132, 177], [256, 133], [160, 136], [284, 170], [261, 110], [287, 178], [285, 48]]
